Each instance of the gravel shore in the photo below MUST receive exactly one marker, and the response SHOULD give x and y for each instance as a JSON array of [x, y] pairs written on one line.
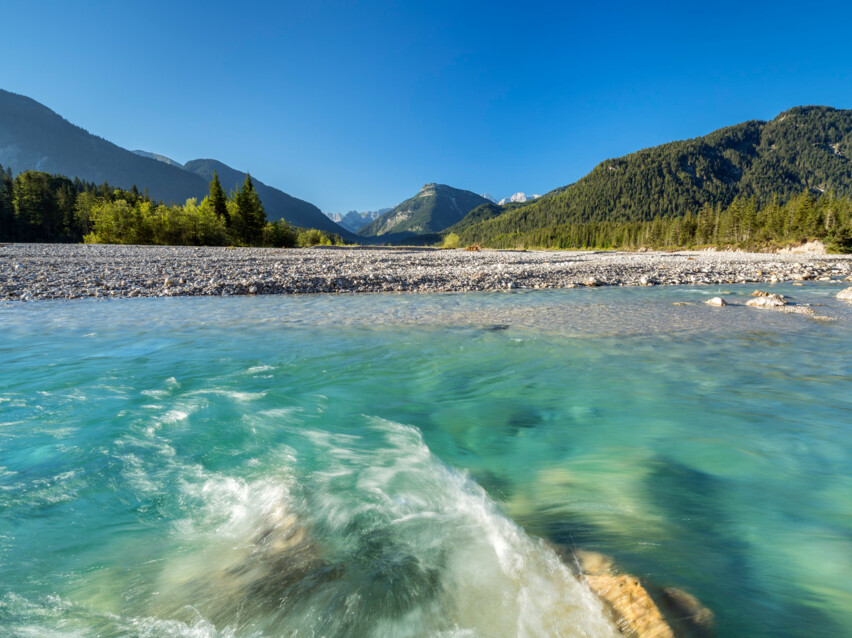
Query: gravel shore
[[64, 271]]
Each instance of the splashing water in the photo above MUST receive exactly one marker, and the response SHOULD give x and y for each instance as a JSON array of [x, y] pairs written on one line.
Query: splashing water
[[389, 466]]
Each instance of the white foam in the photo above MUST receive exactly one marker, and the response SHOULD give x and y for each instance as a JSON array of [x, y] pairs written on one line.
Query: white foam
[[467, 569]]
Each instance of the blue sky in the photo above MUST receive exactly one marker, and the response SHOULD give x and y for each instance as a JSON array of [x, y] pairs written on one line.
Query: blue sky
[[356, 105]]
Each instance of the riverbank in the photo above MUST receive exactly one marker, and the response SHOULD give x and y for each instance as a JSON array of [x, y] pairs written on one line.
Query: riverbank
[[71, 271]]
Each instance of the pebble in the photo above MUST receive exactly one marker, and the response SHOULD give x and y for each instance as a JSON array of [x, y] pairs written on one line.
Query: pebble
[[60, 271]]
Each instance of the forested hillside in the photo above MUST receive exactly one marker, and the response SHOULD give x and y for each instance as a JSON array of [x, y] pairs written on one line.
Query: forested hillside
[[803, 149], [33, 137]]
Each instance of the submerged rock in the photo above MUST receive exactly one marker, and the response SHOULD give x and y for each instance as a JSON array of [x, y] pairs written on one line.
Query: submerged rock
[[637, 614], [687, 607]]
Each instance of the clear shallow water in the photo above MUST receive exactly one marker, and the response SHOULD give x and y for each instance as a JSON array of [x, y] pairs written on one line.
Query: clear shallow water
[[388, 465]]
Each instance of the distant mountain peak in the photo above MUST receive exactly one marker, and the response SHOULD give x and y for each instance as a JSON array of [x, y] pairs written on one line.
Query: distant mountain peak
[[354, 221], [517, 198], [433, 208], [158, 157]]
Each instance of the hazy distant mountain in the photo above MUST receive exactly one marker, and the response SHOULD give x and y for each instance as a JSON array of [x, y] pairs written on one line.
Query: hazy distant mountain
[[278, 205], [32, 137], [434, 208], [490, 197], [159, 158], [354, 221], [804, 148], [517, 198]]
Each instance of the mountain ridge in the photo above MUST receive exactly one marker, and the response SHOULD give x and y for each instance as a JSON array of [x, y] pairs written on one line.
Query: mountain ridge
[[434, 208], [803, 148], [34, 137]]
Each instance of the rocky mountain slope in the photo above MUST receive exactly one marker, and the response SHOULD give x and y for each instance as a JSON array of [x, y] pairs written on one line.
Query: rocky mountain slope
[[434, 208]]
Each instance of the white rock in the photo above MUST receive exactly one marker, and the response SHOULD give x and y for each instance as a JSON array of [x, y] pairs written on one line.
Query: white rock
[[716, 301], [769, 301], [845, 294]]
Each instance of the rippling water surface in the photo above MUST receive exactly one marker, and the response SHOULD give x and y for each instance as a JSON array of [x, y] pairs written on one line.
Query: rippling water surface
[[411, 465]]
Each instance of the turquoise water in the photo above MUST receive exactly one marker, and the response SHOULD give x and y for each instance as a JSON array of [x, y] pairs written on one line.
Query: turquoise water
[[411, 465]]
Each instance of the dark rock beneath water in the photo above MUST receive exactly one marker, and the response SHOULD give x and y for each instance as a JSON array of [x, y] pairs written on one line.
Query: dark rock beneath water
[[686, 607]]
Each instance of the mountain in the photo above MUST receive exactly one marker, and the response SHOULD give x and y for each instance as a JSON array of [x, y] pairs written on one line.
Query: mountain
[[158, 157], [803, 148], [32, 137], [278, 205], [517, 198], [434, 208], [354, 221]]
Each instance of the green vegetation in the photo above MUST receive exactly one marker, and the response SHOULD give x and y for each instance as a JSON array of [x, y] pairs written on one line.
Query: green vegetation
[[37, 207], [805, 148], [451, 240], [315, 237], [743, 224]]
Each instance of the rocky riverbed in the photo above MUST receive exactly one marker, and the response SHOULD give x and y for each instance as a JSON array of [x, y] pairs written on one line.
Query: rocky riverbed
[[64, 271]]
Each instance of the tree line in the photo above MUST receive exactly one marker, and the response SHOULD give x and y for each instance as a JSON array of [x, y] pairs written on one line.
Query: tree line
[[38, 207], [743, 224]]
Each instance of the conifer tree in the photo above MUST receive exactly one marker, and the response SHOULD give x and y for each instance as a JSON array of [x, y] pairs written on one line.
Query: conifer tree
[[252, 213], [7, 212], [217, 199]]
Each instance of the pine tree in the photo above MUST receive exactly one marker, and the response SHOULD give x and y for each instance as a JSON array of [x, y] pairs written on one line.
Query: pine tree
[[7, 212], [252, 214], [217, 199]]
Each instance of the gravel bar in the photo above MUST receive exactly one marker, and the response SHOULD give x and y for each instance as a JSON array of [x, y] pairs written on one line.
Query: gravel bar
[[72, 271]]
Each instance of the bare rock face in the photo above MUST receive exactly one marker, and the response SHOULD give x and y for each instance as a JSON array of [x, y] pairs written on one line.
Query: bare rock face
[[769, 300], [716, 301], [845, 294], [636, 613]]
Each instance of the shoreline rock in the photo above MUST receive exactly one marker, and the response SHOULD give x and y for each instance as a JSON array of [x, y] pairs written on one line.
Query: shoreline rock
[[68, 271]]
